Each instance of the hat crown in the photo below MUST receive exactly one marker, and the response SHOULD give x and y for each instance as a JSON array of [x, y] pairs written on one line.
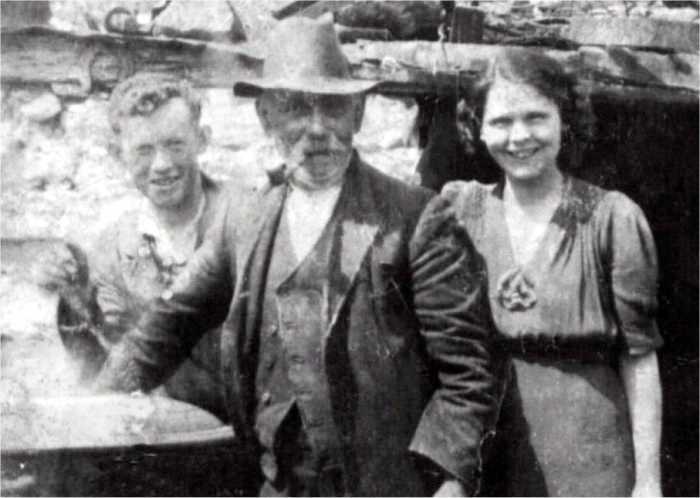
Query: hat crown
[[304, 55], [301, 48]]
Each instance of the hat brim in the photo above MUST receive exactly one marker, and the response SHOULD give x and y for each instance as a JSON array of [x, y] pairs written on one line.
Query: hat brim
[[323, 86]]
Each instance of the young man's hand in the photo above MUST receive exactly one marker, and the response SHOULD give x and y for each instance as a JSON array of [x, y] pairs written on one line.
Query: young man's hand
[[65, 271]]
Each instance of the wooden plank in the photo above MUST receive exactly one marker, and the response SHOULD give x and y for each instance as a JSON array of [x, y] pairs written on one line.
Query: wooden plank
[[410, 82], [317, 9], [634, 32], [19, 14], [291, 9], [411, 62], [75, 63]]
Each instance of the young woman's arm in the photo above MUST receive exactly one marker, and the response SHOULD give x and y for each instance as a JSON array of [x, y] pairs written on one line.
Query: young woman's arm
[[640, 375]]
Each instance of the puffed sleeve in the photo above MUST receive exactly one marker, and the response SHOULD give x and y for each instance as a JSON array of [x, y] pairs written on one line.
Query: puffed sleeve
[[451, 302], [631, 259]]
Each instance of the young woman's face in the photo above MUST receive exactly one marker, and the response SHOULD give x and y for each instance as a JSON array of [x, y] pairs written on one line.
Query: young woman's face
[[521, 129]]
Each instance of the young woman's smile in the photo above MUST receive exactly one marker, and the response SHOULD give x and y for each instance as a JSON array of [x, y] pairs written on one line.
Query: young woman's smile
[[522, 130]]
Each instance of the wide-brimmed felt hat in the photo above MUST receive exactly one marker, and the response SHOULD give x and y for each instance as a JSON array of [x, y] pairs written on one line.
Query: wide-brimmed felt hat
[[304, 55]]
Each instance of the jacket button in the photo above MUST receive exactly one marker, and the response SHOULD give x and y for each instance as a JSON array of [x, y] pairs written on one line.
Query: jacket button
[[272, 330], [266, 398]]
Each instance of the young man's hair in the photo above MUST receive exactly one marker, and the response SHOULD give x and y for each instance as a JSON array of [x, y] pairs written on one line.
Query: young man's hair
[[142, 94]]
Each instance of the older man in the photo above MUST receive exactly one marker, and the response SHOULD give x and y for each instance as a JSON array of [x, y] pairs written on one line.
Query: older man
[[355, 346], [158, 139]]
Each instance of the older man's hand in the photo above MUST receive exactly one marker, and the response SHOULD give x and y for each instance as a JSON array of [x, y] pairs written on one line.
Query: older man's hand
[[451, 487]]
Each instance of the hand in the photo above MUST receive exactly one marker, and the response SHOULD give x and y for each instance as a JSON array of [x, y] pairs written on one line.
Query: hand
[[647, 488], [451, 487], [65, 271]]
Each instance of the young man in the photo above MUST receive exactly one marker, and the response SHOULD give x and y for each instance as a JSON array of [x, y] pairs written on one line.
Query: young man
[[355, 337], [155, 119]]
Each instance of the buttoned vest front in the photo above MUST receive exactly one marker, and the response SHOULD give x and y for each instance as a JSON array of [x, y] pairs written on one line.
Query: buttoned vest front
[[298, 297]]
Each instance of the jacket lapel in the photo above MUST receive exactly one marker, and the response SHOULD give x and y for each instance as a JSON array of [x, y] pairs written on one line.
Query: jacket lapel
[[255, 225], [259, 213], [360, 221]]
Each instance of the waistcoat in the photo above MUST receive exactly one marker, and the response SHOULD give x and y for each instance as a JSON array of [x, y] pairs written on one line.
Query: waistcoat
[[294, 320]]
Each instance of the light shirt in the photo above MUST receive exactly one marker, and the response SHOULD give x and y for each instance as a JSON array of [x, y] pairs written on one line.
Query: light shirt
[[172, 250], [307, 214]]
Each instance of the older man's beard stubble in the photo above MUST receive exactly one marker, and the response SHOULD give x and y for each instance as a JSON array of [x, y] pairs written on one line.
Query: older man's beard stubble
[[316, 164]]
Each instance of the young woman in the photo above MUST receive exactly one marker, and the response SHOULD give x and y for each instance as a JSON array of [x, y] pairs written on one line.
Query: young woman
[[572, 279]]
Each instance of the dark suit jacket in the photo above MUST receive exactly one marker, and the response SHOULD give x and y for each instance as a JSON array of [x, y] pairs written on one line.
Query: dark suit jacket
[[410, 369]]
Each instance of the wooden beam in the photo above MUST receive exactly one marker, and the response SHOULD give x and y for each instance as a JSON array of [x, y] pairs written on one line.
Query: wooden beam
[[661, 34], [74, 64], [292, 9], [428, 67]]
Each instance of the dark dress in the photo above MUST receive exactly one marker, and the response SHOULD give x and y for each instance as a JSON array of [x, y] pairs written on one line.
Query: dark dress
[[564, 317]]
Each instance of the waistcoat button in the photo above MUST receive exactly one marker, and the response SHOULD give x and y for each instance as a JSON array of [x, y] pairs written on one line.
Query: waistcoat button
[[314, 422], [297, 359]]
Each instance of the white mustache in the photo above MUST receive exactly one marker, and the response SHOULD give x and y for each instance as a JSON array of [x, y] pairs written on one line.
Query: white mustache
[[332, 146]]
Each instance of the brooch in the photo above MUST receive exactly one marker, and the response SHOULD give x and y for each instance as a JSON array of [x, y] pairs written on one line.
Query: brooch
[[515, 291]]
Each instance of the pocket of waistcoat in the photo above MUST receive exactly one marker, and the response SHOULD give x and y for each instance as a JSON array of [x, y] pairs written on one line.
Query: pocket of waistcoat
[[268, 425]]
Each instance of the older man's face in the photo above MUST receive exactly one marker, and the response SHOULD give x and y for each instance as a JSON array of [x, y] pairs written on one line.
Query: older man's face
[[313, 133]]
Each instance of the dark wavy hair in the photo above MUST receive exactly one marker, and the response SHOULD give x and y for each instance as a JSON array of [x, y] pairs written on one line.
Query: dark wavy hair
[[143, 93], [543, 73]]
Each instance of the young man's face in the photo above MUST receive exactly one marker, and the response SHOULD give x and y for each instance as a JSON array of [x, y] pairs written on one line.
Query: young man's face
[[160, 150], [313, 133]]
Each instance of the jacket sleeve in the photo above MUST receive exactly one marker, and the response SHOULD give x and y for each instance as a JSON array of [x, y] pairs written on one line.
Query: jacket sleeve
[[451, 303], [197, 301]]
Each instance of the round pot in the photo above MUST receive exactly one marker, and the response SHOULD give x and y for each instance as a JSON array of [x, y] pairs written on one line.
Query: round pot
[[120, 445]]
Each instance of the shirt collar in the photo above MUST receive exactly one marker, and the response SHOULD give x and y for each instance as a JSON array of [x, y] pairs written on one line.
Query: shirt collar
[[149, 225]]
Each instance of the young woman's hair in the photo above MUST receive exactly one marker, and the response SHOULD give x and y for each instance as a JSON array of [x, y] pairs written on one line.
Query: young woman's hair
[[142, 94], [547, 76]]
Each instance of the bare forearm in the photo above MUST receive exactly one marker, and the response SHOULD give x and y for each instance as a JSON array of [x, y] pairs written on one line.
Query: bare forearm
[[643, 387]]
